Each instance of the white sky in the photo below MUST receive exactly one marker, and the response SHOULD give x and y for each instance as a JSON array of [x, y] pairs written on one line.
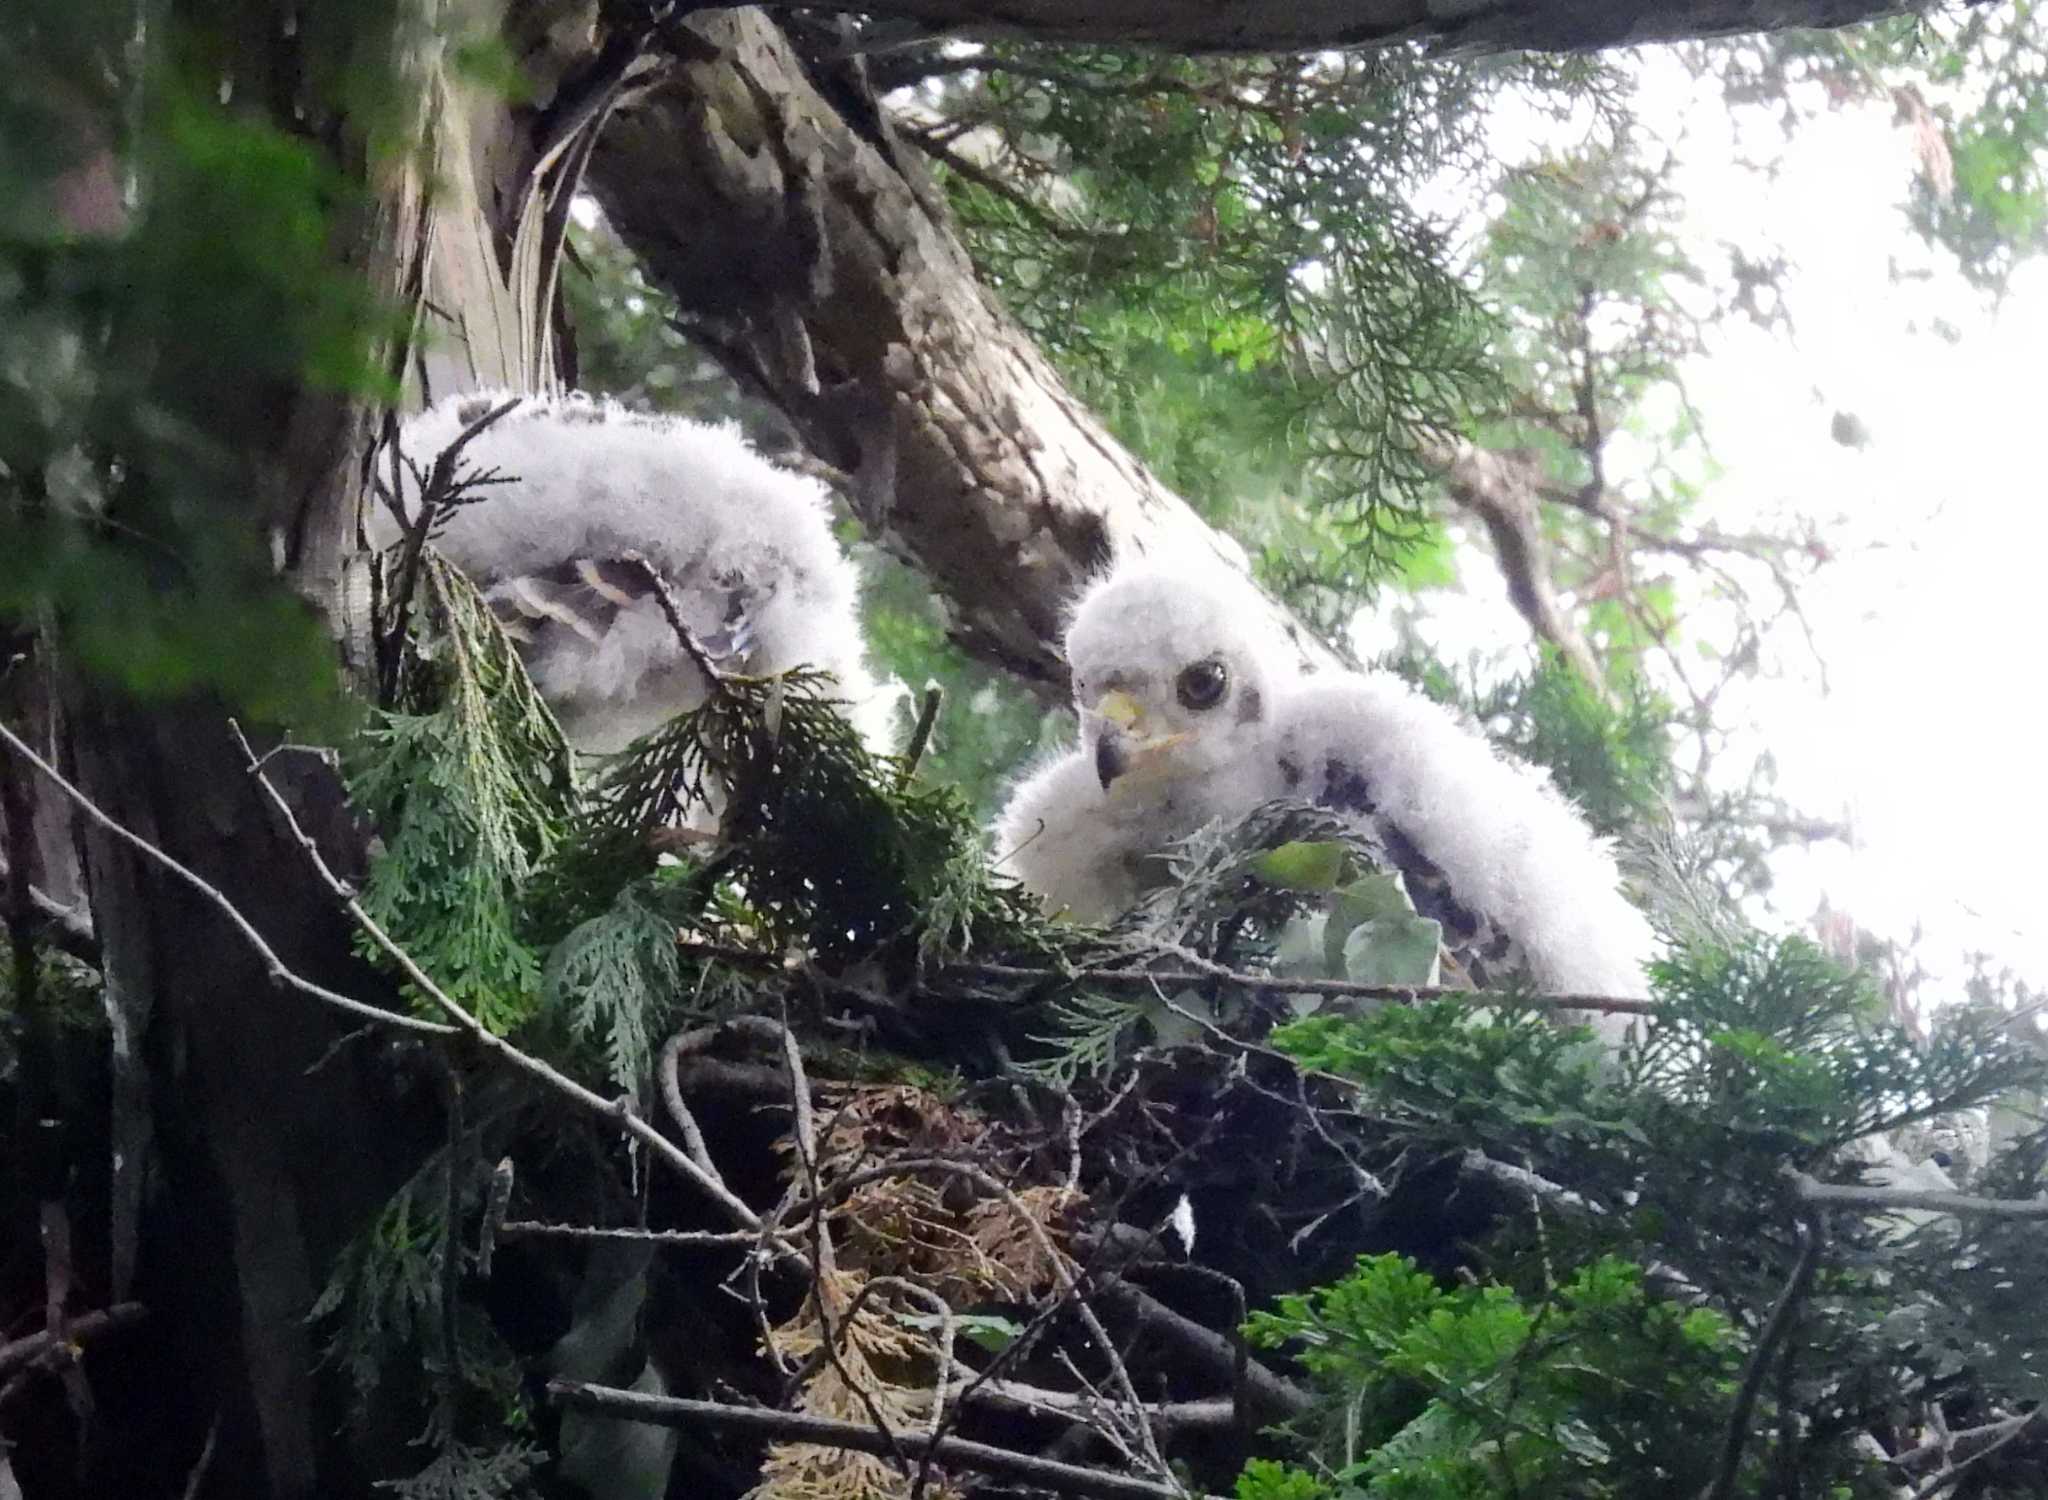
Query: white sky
[[1933, 738]]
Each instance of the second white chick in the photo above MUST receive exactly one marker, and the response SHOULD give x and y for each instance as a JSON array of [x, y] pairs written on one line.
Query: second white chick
[[745, 548]]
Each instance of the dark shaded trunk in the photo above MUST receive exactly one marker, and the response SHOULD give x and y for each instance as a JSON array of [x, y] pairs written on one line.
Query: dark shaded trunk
[[271, 1132], [253, 1132]]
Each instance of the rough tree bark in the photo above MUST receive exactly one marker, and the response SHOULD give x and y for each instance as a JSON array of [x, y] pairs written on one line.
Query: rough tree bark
[[1306, 25], [821, 263]]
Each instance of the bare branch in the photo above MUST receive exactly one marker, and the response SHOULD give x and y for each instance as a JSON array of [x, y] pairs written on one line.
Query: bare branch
[[1999, 1434], [534, 1229], [1501, 491], [1884, 1200], [618, 1110], [1411, 993], [278, 972], [668, 1411], [1812, 1237], [23, 1352], [68, 929], [1209, 1413]]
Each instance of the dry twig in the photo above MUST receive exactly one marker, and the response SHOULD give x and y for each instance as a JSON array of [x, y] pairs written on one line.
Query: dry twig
[[667, 1411]]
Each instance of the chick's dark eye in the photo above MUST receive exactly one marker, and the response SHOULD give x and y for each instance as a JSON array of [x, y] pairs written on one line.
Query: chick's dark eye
[[1203, 684]]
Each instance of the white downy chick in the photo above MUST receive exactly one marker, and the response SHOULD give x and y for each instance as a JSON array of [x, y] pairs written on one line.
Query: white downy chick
[[745, 548], [1173, 693], [1193, 708]]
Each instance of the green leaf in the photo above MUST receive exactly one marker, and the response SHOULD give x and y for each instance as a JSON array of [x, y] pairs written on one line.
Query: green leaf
[[1393, 950], [991, 1331], [1378, 897], [1303, 866]]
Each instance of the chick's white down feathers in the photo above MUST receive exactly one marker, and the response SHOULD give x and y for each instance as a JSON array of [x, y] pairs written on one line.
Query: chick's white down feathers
[[745, 548], [1164, 749]]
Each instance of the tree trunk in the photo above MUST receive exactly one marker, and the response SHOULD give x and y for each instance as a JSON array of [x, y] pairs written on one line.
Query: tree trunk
[[1311, 25], [254, 1133]]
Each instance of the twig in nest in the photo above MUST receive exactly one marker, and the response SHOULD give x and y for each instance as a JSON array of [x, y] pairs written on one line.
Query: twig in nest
[[1147, 978], [665, 598], [620, 1111], [275, 966], [1812, 1237], [1063, 1276], [804, 1133], [668, 1411], [534, 1229], [921, 735]]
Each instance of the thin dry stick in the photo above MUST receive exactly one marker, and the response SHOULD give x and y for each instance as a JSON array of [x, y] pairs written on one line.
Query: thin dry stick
[[1141, 978], [68, 928], [921, 735], [1879, 1200], [1954, 1472], [665, 598], [672, 1095], [23, 1352], [804, 1133], [1218, 973], [1980, 1442], [669, 1411], [1203, 1413], [948, 1324], [278, 973], [1812, 1237], [438, 485], [196, 1480], [620, 1111], [535, 1229], [690, 1043]]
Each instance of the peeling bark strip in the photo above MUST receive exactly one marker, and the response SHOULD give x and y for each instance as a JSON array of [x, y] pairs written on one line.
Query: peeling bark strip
[[1307, 25], [823, 269]]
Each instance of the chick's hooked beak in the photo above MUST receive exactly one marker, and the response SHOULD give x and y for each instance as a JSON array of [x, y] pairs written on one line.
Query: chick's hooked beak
[[1122, 742]]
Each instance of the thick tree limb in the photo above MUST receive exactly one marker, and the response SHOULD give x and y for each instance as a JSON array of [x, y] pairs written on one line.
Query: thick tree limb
[[1307, 25], [1271, 1397], [1210, 1413], [823, 263]]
